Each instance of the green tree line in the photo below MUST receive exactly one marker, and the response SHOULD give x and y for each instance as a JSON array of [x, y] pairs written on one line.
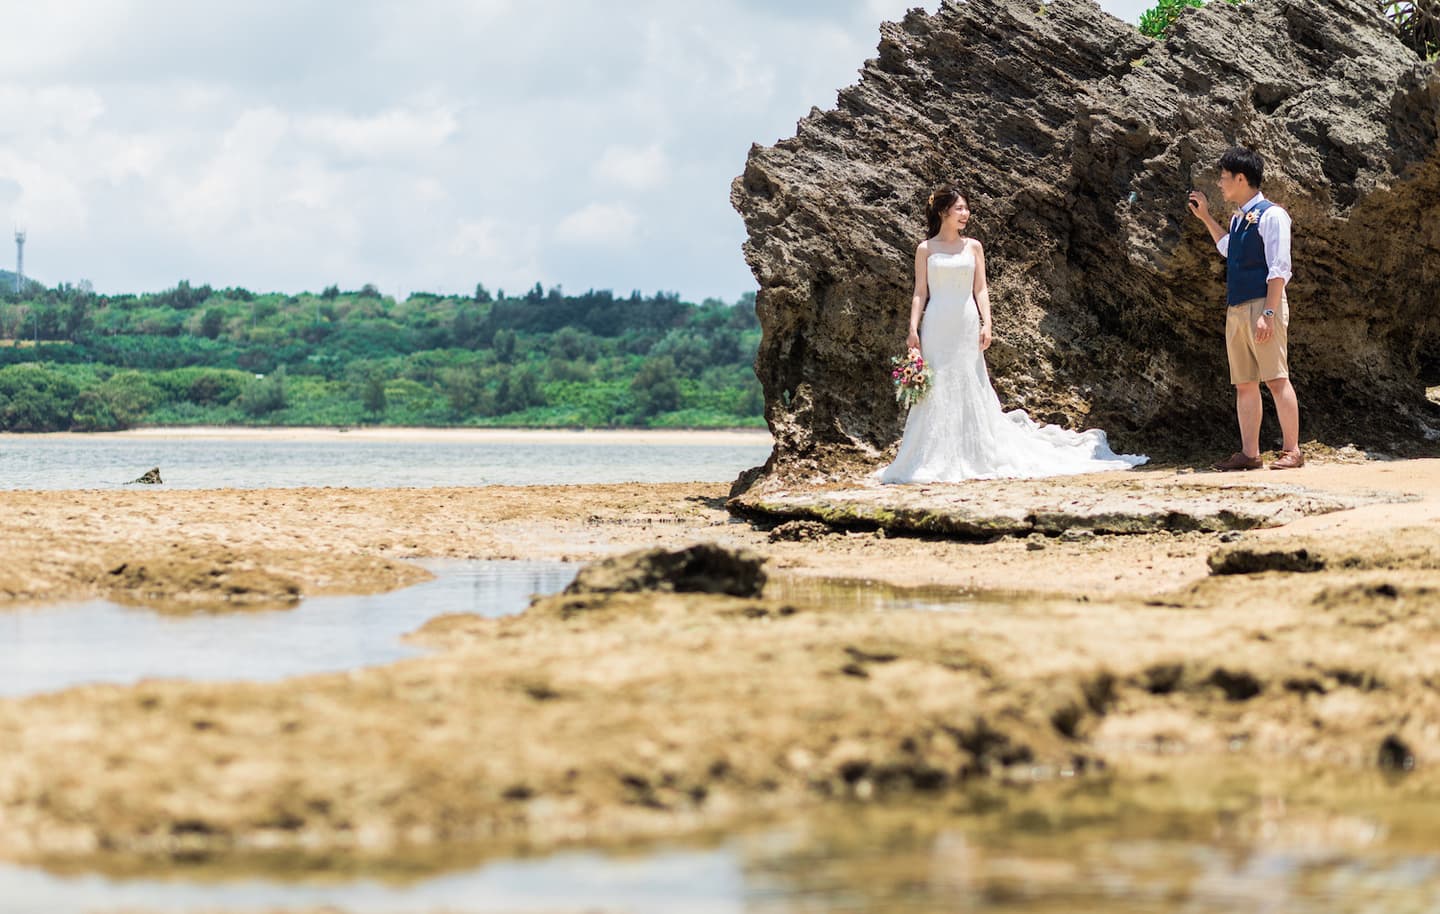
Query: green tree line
[[193, 355]]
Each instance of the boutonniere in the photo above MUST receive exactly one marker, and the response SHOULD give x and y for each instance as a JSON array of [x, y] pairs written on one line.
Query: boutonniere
[[1252, 217]]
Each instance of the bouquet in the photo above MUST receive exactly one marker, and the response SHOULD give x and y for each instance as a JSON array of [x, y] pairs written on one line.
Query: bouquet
[[910, 376]]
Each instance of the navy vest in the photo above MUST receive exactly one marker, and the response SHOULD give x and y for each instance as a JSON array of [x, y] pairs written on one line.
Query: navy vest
[[1246, 271]]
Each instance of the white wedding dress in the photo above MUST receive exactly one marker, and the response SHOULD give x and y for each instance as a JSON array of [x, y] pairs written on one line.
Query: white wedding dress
[[959, 430]]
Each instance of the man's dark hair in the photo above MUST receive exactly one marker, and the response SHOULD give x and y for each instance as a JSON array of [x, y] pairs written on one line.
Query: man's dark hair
[[1241, 161]]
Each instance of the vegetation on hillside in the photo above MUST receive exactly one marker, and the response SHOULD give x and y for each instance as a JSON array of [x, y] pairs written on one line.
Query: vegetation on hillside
[[196, 355], [7, 284]]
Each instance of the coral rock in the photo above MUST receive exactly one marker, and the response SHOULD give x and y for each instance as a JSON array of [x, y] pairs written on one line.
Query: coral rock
[[1077, 140]]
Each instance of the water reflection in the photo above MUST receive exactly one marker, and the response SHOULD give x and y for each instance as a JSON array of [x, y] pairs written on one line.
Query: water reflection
[[1129, 862], [872, 596], [943, 856], [51, 648]]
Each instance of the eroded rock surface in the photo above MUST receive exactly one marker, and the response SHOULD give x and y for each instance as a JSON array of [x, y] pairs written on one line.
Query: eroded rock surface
[[1078, 139], [701, 568], [982, 510], [1415, 548]]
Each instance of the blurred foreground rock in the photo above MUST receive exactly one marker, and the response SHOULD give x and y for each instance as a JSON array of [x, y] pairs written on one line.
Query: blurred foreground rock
[[702, 568]]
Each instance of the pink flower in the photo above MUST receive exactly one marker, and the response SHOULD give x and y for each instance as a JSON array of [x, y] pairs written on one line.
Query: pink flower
[[895, 374]]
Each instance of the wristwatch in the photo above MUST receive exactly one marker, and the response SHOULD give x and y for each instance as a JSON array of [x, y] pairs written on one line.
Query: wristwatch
[[1268, 312]]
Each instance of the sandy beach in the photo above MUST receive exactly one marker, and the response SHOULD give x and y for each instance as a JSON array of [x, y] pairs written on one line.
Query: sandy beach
[[604, 718]]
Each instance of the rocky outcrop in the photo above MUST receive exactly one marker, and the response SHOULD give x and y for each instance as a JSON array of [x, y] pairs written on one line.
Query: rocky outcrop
[[985, 510], [701, 568], [1077, 139]]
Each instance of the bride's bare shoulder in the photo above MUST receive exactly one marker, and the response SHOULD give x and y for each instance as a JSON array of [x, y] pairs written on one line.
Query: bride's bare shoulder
[[975, 245]]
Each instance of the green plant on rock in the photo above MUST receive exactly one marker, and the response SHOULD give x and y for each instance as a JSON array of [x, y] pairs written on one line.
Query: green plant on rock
[[1157, 21], [1419, 24], [1418, 21]]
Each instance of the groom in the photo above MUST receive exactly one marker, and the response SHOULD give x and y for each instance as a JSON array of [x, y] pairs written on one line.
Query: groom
[[1257, 267]]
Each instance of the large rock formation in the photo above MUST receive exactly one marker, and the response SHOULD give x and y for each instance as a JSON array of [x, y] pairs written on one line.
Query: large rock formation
[[1078, 139]]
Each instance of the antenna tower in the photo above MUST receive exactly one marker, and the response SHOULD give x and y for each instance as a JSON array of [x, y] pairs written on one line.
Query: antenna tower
[[19, 262]]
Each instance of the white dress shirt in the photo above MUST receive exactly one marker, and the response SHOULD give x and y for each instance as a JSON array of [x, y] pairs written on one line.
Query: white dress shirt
[[1274, 231]]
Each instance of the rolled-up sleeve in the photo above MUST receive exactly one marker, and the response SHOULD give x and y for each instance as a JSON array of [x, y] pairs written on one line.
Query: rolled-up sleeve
[[1223, 245], [1275, 232]]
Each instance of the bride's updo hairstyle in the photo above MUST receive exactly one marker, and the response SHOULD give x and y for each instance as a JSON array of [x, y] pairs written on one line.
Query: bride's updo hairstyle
[[940, 201]]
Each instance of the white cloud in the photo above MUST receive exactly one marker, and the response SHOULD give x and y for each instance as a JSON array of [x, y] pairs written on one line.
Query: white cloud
[[396, 132], [634, 168], [65, 110], [886, 9], [479, 239], [604, 224], [44, 38], [486, 251]]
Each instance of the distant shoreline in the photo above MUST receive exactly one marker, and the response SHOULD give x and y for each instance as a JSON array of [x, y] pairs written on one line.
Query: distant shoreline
[[719, 437]]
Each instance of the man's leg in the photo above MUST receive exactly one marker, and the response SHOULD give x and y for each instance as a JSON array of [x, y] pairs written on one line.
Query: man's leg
[[1249, 409], [1287, 410]]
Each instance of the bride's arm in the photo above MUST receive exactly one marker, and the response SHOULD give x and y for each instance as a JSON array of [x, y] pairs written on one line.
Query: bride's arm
[[982, 296], [917, 302]]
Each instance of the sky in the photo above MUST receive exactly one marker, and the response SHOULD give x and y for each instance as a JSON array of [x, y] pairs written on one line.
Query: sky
[[420, 145]]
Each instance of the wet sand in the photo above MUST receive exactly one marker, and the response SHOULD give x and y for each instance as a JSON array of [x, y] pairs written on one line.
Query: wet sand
[[603, 719]]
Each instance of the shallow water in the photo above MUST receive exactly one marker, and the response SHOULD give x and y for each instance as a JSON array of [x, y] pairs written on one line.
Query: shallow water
[[1208, 842], [49, 648], [1030, 859], [698, 882], [100, 463]]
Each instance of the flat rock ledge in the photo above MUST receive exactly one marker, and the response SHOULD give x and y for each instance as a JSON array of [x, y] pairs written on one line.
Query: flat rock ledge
[[988, 509]]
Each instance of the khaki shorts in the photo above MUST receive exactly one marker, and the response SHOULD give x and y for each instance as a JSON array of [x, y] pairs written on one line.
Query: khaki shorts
[[1252, 362]]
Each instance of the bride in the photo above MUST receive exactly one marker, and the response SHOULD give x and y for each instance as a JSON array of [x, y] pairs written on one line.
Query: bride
[[958, 430]]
